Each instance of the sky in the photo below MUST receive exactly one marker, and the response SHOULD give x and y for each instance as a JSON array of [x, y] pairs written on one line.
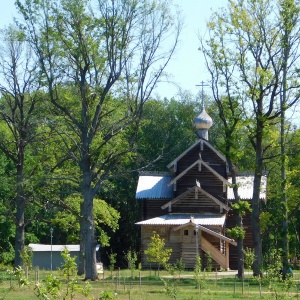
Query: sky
[[187, 68]]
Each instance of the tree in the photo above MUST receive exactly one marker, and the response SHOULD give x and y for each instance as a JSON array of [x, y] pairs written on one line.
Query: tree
[[238, 232], [156, 251], [163, 124], [289, 14], [111, 58], [248, 36], [19, 116]]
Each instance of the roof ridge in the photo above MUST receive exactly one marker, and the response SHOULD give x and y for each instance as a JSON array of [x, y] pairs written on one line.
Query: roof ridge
[[155, 173]]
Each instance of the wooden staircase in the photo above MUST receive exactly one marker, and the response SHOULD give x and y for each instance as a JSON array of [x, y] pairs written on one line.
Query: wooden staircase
[[216, 255], [189, 252]]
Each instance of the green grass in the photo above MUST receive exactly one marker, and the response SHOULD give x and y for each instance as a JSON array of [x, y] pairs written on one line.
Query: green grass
[[151, 287]]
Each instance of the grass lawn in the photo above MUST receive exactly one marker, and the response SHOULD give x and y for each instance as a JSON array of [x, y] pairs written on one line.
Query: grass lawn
[[147, 285]]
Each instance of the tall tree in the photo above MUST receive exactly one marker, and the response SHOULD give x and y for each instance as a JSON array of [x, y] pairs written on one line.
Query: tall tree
[[251, 41], [104, 52], [289, 14], [19, 120]]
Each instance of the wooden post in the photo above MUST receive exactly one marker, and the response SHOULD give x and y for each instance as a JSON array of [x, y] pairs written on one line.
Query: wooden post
[[140, 280], [37, 274], [227, 255]]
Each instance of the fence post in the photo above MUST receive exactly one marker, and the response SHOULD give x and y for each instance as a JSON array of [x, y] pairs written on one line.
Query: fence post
[[243, 285], [116, 283], [234, 286], [37, 274], [140, 280]]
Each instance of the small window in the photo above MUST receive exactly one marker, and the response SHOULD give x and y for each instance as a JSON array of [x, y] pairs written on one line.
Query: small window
[[186, 232]]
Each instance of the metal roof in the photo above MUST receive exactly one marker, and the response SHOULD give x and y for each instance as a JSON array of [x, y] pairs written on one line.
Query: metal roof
[[55, 248], [245, 187], [181, 219], [154, 187]]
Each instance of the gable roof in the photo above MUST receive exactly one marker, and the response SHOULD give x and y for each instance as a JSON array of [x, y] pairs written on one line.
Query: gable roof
[[191, 147], [181, 219], [154, 186], [195, 189], [199, 162]]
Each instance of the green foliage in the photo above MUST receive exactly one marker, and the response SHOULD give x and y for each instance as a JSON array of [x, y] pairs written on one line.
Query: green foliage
[[131, 257], [53, 288], [249, 257], [265, 221], [19, 273], [157, 140], [112, 261], [209, 262], [171, 286], [179, 265], [236, 232], [241, 207], [68, 220], [69, 266], [274, 275], [50, 289], [156, 251], [26, 255], [105, 295], [199, 276]]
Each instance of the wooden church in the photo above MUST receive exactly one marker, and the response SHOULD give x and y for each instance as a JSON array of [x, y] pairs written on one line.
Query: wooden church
[[189, 207]]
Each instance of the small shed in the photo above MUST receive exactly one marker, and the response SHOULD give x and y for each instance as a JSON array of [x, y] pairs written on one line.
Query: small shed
[[42, 255]]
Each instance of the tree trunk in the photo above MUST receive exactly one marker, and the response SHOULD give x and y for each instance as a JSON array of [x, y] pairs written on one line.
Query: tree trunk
[[89, 237], [240, 248], [87, 213], [255, 223], [239, 218], [81, 264], [20, 213]]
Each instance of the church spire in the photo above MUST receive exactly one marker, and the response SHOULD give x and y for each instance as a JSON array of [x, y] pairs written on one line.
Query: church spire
[[203, 121]]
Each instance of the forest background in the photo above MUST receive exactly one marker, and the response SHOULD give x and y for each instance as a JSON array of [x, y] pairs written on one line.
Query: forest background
[[53, 83]]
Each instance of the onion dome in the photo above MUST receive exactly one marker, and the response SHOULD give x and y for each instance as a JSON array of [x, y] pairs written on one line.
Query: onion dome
[[202, 123]]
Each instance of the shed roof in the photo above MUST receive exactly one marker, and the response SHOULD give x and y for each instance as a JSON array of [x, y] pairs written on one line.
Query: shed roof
[[181, 219], [154, 186], [55, 248]]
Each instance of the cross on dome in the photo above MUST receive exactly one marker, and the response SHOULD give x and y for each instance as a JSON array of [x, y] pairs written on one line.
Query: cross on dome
[[203, 121]]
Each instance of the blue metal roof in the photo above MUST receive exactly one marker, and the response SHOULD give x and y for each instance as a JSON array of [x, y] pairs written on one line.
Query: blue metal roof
[[154, 186]]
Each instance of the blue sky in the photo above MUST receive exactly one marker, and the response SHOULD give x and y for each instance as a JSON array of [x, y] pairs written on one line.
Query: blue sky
[[187, 66]]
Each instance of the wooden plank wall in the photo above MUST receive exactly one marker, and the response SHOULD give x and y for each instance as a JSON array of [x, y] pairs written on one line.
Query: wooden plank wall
[[208, 181], [185, 249]]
